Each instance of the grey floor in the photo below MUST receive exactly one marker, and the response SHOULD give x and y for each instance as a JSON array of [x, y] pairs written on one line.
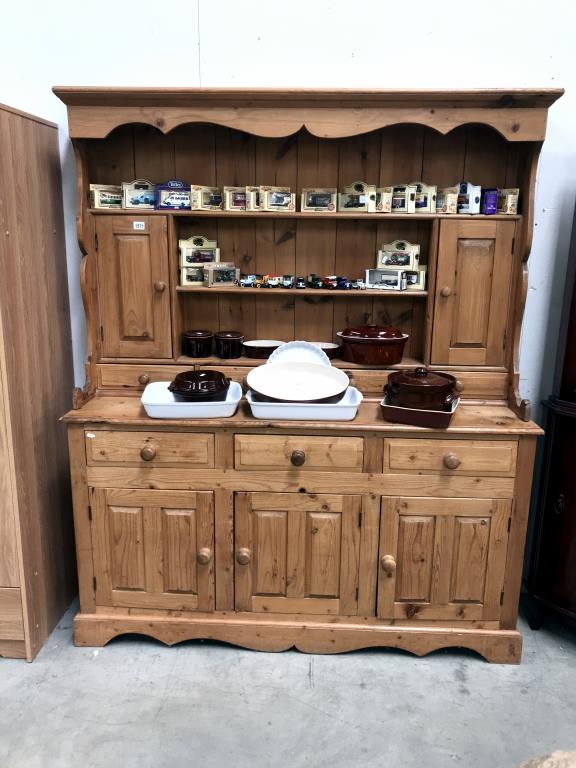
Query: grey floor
[[138, 703]]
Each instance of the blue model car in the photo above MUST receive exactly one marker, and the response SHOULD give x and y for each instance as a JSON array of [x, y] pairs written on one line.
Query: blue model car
[[144, 198]]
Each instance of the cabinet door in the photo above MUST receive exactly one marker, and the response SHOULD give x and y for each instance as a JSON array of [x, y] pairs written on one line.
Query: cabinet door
[[153, 549], [134, 295], [297, 553], [442, 558], [473, 286]]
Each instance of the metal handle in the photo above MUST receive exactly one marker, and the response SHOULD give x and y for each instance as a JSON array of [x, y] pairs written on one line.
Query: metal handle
[[298, 458], [243, 556], [451, 461], [388, 564], [446, 291], [144, 378], [204, 556], [148, 453], [159, 286]]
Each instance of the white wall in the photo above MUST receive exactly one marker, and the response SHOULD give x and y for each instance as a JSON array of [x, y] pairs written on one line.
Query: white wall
[[334, 43]]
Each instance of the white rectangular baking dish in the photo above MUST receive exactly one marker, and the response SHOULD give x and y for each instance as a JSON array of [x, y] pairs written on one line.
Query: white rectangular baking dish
[[345, 410], [159, 403]]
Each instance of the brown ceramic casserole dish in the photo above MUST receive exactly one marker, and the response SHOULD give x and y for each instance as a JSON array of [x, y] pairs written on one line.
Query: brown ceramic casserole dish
[[373, 344], [421, 388], [200, 386], [197, 343]]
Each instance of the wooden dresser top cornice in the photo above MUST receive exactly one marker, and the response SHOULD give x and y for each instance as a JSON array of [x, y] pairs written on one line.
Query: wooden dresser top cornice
[[518, 114]]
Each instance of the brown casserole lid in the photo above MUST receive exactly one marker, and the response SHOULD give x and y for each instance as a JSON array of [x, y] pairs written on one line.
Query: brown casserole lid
[[422, 377], [372, 333], [421, 388]]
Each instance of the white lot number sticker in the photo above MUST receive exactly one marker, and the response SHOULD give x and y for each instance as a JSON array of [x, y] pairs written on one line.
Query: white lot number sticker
[[139, 225]]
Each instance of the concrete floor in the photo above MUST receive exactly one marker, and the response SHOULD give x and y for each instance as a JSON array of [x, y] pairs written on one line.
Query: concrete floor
[[137, 703]]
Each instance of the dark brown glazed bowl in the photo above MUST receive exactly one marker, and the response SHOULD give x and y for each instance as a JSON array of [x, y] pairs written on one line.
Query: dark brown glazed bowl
[[229, 344], [421, 388], [200, 386], [330, 349], [197, 343], [373, 345], [260, 350]]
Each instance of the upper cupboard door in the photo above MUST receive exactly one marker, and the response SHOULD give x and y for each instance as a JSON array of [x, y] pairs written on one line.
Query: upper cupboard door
[[473, 286], [134, 295]]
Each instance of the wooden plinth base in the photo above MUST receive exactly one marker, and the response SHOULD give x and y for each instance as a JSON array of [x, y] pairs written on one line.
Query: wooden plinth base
[[497, 646]]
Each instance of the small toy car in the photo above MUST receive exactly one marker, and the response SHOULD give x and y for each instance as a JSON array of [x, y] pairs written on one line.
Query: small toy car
[[144, 198], [330, 282], [300, 282], [261, 281], [287, 281], [314, 281], [273, 281], [343, 284], [358, 285], [248, 281]]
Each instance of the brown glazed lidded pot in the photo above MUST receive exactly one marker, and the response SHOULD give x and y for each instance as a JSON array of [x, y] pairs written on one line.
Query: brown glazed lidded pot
[[197, 343], [199, 386], [229, 344], [373, 344], [422, 389]]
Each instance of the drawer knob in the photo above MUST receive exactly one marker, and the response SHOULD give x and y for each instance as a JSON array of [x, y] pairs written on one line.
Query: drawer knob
[[459, 386], [159, 286], [298, 458], [451, 461], [144, 378], [204, 556], [243, 556], [148, 453], [446, 291], [388, 564]]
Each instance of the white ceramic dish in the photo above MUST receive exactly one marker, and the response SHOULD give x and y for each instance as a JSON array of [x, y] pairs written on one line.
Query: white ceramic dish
[[298, 382], [345, 410], [299, 352], [159, 403]]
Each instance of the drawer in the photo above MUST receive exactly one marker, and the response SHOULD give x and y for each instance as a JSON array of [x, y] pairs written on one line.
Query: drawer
[[483, 457], [304, 452], [149, 448], [11, 619], [136, 377]]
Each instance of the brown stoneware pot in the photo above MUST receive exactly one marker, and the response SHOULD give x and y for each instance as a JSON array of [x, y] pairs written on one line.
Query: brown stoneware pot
[[229, 344], [200, 386], [197, 343], [421, 388], [373, 344]]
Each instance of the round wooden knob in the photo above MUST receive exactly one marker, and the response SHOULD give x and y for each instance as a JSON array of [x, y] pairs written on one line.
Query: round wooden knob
[[298, 458], [451, 461], [148, 453], [144, 378], [159, 286], [459, 386], [388, 564], [243, 556], [446, 291], [204, 555]]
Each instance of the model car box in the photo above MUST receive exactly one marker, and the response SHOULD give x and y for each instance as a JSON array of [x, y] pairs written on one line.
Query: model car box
[[206, 198], [404, 198], [425, 201], [386, 279], [253, 199], [235, 198], [447, 200], [384, 199], [105, 196], [139, 193], [489, 202], [277, 199], [357, 197], [469, 198], [416, 279], [508, 200], [220, 275], [319, 200], [198, 250], [173, 195], [192, 276], [399, 253]]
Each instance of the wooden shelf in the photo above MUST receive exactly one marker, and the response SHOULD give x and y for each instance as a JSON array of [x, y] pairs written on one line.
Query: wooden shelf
[[407, 362], [284, 292], [339, 215]]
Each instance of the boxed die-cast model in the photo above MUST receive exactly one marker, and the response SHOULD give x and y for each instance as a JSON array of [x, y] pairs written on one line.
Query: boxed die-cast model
[[173, 195], [139, 193], [319, 200], [404, 198], [399, 253], [469, 198], [277, 199], [425, 201], [235, 198], [358, 196], [447, 200], [386, 279], [197, 249], [105, 196]]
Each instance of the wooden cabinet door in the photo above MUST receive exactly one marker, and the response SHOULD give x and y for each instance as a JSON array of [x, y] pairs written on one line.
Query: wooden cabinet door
[[442, 558], [153, 549], [297, 553], [473, 287], [133, 293]]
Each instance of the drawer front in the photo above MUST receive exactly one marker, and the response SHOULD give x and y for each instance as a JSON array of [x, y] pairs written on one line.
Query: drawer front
[[151, 449], [298, 452], [11, 619], [485, 457], [136, 376]]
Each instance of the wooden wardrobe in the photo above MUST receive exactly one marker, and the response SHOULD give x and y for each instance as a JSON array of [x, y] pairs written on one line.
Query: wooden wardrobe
[[36, 540]]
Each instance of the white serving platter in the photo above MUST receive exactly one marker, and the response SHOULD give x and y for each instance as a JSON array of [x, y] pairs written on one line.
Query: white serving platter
[[298, 381], [345, 410], [299, 352], [159, 403]]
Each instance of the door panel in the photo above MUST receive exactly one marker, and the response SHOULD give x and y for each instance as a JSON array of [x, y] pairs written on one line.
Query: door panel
[[134, 295], [442, 558], [153, 549], [473, 287], [297, 553]]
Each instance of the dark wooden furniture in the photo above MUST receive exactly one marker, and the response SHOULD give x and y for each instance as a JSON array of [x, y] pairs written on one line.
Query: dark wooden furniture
[[552, 579]]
